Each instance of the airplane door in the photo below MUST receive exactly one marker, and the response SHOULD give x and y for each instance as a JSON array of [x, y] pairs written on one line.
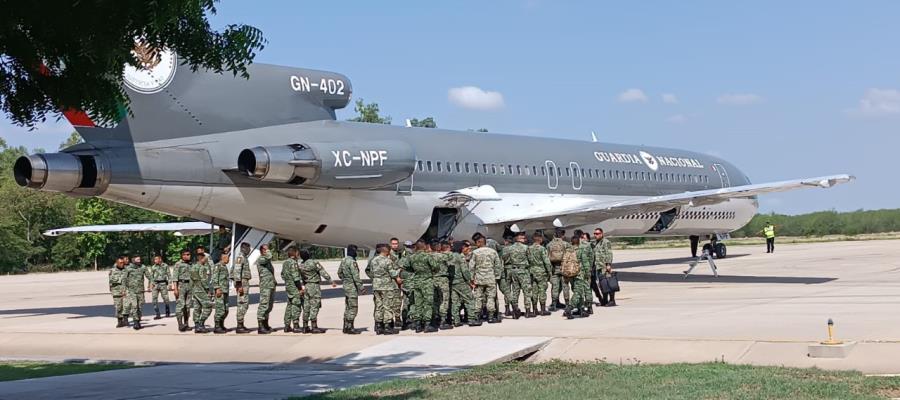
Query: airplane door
[[576, 175], [552, 176], [723, 174], [405, 187]]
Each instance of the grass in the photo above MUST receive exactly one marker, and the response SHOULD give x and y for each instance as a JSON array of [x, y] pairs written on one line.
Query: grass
[[16, 370], [563, 380]]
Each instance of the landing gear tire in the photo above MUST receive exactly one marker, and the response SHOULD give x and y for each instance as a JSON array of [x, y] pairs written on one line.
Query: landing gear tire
[[721, 250]]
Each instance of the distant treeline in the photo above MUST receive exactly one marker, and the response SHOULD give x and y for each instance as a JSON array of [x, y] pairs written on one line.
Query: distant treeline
[[825, 223]]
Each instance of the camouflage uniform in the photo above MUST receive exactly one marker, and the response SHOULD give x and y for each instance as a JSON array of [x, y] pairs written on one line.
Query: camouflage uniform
[[182, 276], [160, 276], [486, 266], [403, 297], [422, 265], [117, 278], [504, 283], [441, 282], [582, 284], [220, 282], [348, 273], [291, 275], [312, 273], [135, 291], [515, 261], [541, 269], [460, 279], [603, 256], [266, 273], [200, 287], [241, 275], [384, 287], [557, 281]]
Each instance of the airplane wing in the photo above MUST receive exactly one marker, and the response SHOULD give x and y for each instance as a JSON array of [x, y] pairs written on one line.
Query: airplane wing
[[598, 211], [180, 228]]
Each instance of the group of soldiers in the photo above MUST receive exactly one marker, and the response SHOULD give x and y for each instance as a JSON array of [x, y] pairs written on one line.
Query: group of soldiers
[[421, 286]]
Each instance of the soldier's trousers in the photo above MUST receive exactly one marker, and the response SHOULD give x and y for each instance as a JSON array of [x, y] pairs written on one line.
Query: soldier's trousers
[[183, 300], [424, 294], [558, 284], [578, 285], [504, 287], [586, 294], [406, 309], [520, 282], [160, 289], [292, 309], [462, 297], [118, 303], [485, 296], [202, 305], [243, 302], [384, 305], [539, 286], [266, 299], [312, 302], [442, 297], [221, 305], [351, 304]]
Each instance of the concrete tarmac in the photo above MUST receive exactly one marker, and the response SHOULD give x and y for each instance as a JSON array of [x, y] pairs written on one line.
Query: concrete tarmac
[[763, 309]]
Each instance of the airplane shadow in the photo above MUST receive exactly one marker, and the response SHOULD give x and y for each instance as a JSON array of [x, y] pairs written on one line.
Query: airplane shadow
[[700, 277], [663, 261]]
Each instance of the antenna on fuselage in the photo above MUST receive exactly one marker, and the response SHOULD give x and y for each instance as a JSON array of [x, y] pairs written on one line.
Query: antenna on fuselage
[[593, 137]]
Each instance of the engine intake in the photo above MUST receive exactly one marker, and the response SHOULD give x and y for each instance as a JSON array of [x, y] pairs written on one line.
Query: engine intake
[[339, 165], [63, 172]]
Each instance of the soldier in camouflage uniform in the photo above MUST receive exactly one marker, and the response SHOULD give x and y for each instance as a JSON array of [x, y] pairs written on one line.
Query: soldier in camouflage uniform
[[515, 261], [404, 297], [486, 266], [385, 280], [220, 286], [160, 278], [182, 276], [266, 273], [504, 281], [586, 258], [603, 258], [422, 266], [462, 283], [441, 280], [348, 273], [312, 273], [134, 284], [117, 280], [293, 285], [541, 269], [241, 275], [557, 282], [201, 272]]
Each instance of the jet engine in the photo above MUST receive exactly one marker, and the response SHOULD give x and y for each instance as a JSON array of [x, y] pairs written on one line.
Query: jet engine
[[80, 174], [337, 165]]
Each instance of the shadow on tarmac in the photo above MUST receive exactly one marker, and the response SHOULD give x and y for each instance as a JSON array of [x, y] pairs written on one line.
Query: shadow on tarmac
[[694, 278]]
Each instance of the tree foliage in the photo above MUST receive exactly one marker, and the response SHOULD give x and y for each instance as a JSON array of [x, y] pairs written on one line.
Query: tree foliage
[[825, 223], [368, 113], [71, 55], [423, 123]]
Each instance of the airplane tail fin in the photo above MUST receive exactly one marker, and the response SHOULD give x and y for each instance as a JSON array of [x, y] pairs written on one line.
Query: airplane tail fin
[[168, 100]]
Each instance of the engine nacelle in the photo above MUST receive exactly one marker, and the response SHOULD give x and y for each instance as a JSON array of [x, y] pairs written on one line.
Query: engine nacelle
[[81, 174], [337, 165]]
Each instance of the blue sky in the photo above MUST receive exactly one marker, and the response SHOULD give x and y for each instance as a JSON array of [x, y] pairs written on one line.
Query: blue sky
[[782, 89]]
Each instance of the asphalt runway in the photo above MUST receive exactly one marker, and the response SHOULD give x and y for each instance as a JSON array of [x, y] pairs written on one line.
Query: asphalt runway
[[763, 309]]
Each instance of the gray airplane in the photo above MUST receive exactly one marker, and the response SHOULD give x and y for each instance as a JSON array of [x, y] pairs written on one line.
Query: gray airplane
[[268, 155]]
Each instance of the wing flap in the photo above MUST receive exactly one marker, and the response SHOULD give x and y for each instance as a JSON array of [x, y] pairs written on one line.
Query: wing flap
[[180, 228]]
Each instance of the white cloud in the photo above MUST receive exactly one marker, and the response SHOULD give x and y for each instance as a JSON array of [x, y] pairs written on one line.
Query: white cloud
[[677, 119], [475, 98], [669, 98], [632, 95], [739, 99], [877, 102]]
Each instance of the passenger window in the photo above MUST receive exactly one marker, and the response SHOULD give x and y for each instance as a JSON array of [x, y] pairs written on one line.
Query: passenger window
[[552, 172], [494, 169], [419, 165], [518, 170], [438, 166], [543, 171], [467, 168], [567, 171], [428, 163], [457, 168]]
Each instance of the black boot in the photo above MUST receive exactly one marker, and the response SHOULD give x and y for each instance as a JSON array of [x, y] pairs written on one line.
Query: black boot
[[287, 327], [515, 312], [420, 327], [494, 318], [379, 328], [297, 327], [305, 328], [445, 326], [430, 328], [168, 314], [220, 327], [199, 328], [315, 327], [529, 313], [474, 322], [241, 328], [120, 322], [507, 313], [180, 325], [261, 327], [389, 328], [354, 331], [186, 319], [136, 325], [544, 310], [157, 315], [568, 312], [552, 307]]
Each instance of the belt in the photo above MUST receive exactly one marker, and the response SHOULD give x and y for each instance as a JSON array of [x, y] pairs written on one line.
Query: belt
[[184, 280], [162, 281]]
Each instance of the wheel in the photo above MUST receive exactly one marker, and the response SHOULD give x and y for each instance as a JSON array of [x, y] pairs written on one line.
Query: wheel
[[707, 248], [720, 250]]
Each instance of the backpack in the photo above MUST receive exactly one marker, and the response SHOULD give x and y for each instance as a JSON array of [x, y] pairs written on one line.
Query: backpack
[[570, 265], [556, 249]]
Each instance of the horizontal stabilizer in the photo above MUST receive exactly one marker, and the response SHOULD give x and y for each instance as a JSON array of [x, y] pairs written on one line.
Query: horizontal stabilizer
[[180, 228]]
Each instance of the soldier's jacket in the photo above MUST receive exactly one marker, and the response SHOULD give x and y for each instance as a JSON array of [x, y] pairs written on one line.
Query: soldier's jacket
[[585, 255], [493, 244], [485, 265], [134, 280], [401, 252], [603, 253], [311, 271], [421, 264], [200, 274], [515, 255], [383, 271], [348, 273], [159, 272], [459, 271], [291, 275], [538, 259], [182, 271], [441, 264], [220, 277], [266, 271], [117, 279], [241, 268]]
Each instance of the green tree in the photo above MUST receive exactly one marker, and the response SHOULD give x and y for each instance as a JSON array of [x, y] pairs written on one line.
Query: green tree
[[368, 113], [424, 123], [73, 139], [93, 211], [71, 55]]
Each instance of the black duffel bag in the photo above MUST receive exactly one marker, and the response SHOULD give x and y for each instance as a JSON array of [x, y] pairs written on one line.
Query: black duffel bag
[[609, 284]]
